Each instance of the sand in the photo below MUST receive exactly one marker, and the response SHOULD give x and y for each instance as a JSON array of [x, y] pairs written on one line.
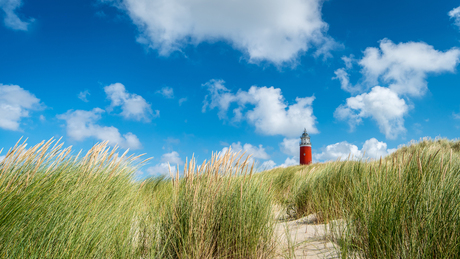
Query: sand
[[304, 238]]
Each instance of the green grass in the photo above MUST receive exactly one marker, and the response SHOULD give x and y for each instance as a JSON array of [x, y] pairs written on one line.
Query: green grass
[[404, 206], [408, 207], [54, 205]]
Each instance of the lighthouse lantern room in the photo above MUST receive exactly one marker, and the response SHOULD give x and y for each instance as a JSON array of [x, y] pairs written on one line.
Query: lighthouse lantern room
[[305, 149]]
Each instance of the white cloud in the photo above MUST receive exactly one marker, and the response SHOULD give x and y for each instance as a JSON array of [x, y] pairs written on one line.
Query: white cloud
[[341, 150], [456, 115], [267, 165], [11, 19], [15, 104], [220, 97], [343, 76], [161, 169], [133, 106], [349, 61], [168, 160], [273, 30], [172, 158], [290, 146], [182, 100], [167, 92], [372, 148], [84, 96], [1, 158], [381, 104], [402, 67], [82, 124], [255, 152], [270, 113], [455, 14], [290, 161]]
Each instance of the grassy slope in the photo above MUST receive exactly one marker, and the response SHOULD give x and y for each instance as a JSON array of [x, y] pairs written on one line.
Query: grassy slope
[[404, 206], [53, 205]]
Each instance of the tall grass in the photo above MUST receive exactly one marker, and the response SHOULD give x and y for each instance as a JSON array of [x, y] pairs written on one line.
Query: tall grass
[[284, 182], [217, 211], [55, 205], [325, 191], [404, 206], [408, 208]]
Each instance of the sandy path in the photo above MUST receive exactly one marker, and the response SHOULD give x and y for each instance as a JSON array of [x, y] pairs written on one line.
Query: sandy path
[[303, 238]]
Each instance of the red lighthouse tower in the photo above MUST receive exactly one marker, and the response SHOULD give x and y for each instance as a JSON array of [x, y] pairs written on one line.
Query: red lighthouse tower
[[305, 149]]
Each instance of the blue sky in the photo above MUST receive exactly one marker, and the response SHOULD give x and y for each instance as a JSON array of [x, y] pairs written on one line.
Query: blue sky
[[179, 78]]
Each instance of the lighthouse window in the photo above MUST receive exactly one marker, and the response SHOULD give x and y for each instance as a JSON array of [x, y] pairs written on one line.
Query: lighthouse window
[[304, 154]]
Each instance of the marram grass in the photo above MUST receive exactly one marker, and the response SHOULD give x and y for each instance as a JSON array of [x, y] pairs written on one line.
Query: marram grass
[[55, 205], [406, 205], [217, 211]]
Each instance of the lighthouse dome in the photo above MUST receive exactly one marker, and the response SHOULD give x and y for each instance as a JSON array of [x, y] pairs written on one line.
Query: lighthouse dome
[[305, 139]]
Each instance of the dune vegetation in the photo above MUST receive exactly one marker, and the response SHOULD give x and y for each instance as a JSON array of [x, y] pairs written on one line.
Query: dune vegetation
[[406, 205], [54, 204]]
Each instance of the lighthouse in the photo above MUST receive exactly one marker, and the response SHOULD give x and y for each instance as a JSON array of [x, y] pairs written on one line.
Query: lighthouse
[[305, 148]]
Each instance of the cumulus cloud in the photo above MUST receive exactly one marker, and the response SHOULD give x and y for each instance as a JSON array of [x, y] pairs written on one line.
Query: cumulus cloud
[[161, 169], [84, 96], [15, 104], [167, 92], [381, 104], [341, 150], [255, 152], [290, 161], [168, 161], [133, 106], [402, 67], [269, 114], [267, 165], [83, 124], [372, 148], [12, 19], [172, 158], [349, 61], [266, 30], [455, 14], [342, 75], [290, 146]]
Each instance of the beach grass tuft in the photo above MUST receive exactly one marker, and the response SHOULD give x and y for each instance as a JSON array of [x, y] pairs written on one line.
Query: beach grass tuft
[[57, 205]]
